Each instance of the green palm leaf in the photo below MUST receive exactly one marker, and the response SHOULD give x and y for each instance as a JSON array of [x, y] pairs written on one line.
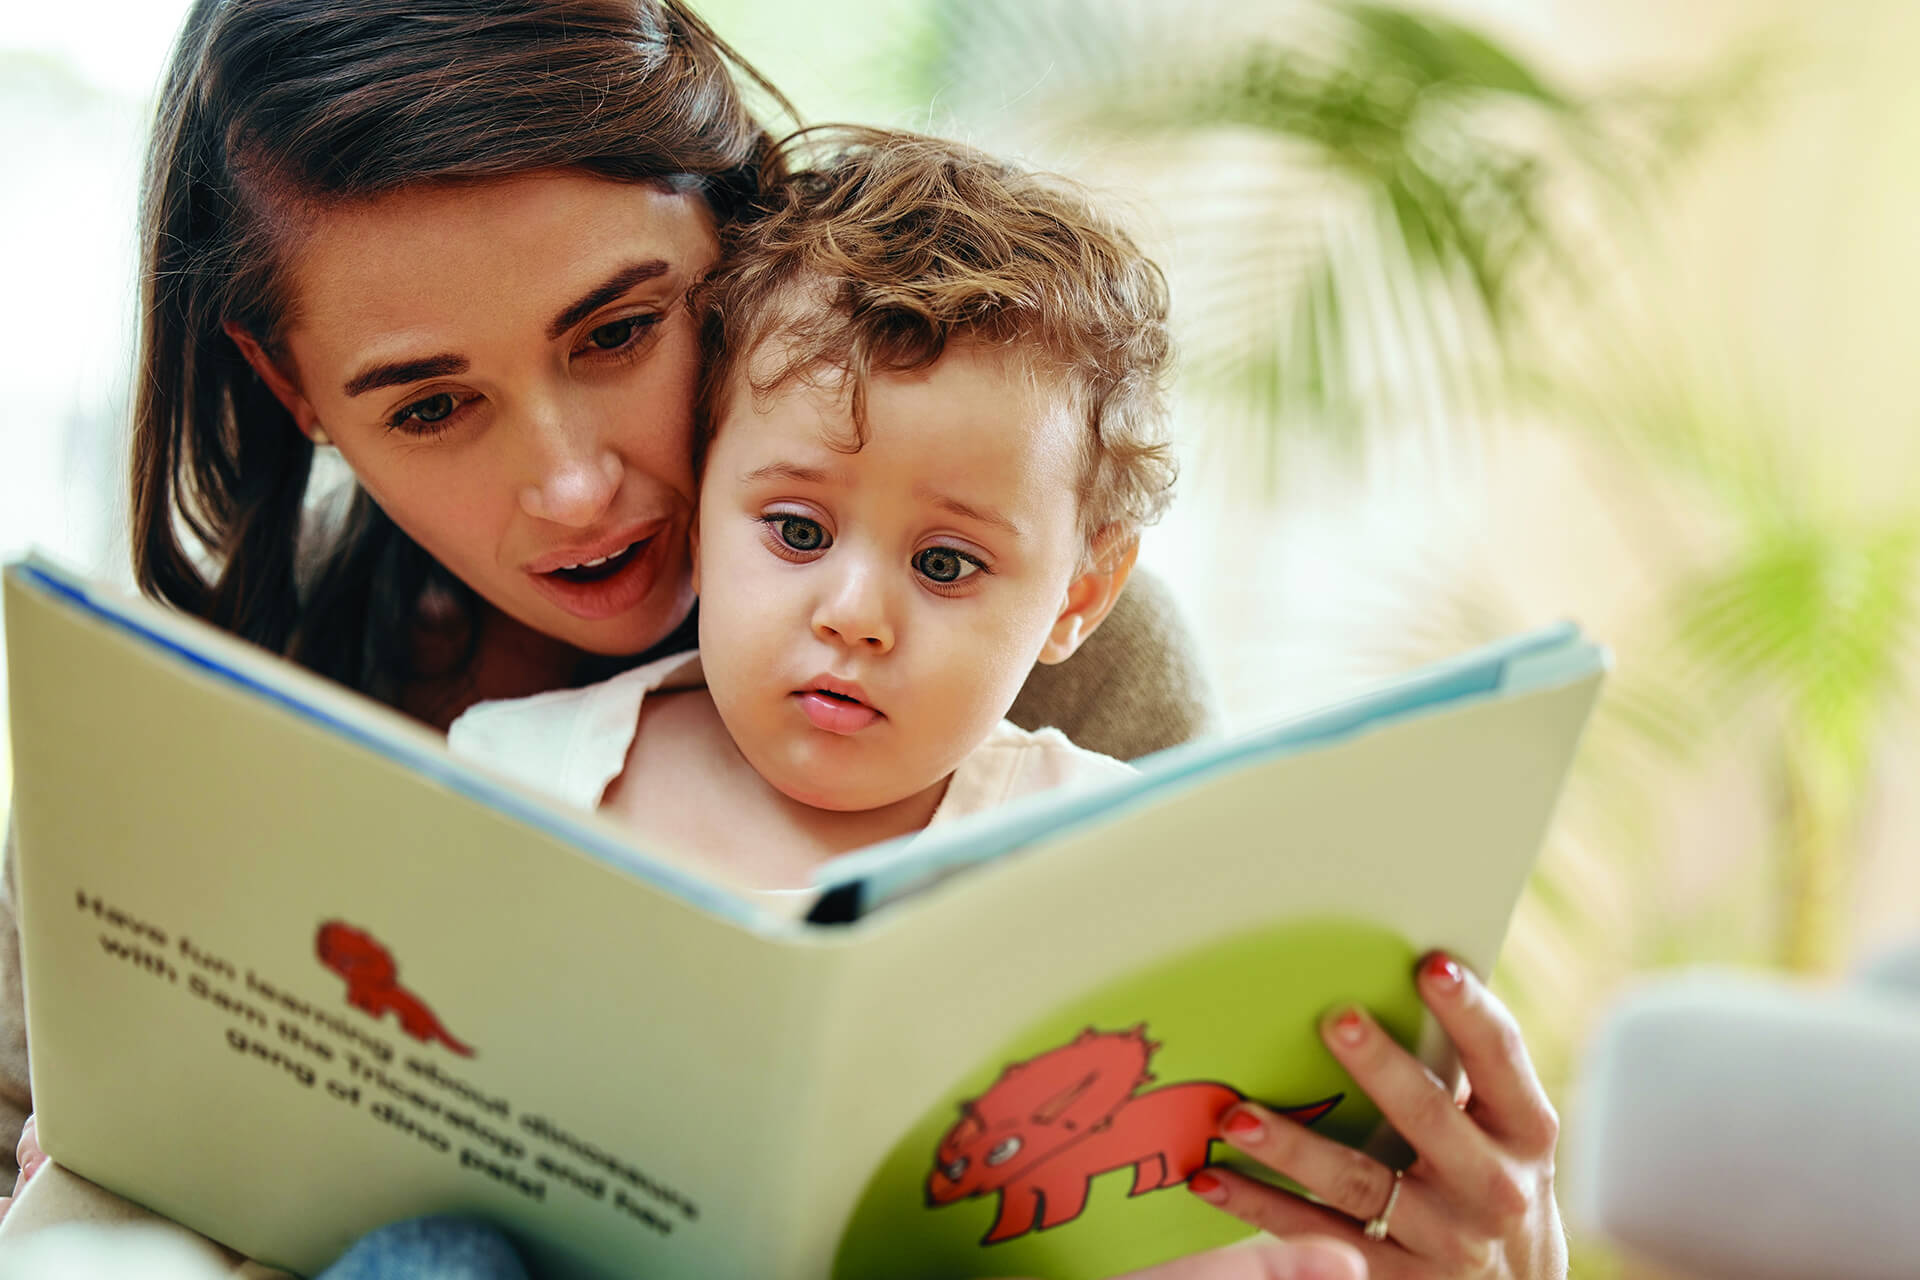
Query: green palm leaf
[[1367, 199]]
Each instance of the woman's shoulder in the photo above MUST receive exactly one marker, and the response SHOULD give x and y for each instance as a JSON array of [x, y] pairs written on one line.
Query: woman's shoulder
[[568, 743]]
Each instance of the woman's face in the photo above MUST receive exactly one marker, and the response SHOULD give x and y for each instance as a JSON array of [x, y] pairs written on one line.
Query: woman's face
[[508, 369]]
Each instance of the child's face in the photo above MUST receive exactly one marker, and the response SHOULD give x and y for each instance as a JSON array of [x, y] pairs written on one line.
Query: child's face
[[919, 579]]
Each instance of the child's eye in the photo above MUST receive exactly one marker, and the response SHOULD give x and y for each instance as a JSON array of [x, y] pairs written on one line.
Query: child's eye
[[945, 564], [425, 416], [800, 533]]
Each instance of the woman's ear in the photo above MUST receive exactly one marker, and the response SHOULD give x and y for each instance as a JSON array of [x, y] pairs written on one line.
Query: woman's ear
[[1090, 597], [278, 382]]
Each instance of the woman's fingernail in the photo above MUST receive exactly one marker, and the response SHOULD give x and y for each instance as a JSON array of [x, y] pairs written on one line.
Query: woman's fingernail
[[1243, 1125], [1208, 1187], [1441, 970], [1349, 1027]]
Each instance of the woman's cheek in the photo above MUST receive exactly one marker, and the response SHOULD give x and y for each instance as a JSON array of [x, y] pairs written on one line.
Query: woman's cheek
[[653, 416], [457, 504]]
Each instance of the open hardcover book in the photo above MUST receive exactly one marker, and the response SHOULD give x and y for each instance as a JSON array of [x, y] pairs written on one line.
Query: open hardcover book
[[293, 971]]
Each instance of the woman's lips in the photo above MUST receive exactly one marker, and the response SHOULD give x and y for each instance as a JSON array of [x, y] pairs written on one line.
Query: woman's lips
[[607, 545], [610, 589], [835, 715], [603, 567]]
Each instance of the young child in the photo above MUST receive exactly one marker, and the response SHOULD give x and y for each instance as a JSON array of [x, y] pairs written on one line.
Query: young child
[[931, 429]]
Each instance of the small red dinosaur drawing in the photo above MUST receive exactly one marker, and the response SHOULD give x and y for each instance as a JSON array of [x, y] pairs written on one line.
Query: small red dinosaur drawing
[[1048, 1126], [373, 982]]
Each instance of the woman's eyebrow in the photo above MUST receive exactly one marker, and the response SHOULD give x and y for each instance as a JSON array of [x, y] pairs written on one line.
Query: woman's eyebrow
[[609, 289], [396, 373]]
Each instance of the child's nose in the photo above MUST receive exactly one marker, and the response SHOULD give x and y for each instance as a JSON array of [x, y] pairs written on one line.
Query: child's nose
[[855, 612]]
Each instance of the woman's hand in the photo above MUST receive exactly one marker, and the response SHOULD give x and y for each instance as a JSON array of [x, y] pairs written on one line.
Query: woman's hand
[[31, 1157], [1478, 1199]]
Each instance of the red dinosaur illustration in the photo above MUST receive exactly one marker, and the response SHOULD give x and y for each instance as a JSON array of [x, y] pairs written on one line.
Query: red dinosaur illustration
[[1048, 1126], [373, 982]]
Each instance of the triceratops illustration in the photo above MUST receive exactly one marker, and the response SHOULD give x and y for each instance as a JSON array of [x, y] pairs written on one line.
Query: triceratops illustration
[[1048, 1126]]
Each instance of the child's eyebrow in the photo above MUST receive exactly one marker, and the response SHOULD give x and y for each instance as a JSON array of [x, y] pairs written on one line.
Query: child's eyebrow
[[966, 510], [785, 471]]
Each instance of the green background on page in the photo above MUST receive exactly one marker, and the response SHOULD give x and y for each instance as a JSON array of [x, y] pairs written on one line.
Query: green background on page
[[1244, 1011]]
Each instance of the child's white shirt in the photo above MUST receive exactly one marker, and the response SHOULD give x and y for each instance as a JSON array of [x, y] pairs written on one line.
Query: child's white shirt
[[571, 743]]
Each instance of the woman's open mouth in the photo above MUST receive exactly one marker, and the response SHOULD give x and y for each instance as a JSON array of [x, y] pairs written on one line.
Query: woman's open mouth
[[603, 568], [607, 586]]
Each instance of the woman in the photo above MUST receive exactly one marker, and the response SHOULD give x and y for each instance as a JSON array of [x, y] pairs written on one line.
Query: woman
[[450, 239]]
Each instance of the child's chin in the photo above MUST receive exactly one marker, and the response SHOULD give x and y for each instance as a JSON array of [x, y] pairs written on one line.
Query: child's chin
[[849, 798], [842, 800]]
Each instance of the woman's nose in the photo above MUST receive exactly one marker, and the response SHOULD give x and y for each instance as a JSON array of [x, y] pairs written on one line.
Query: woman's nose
[[574, 482], [855, 612]]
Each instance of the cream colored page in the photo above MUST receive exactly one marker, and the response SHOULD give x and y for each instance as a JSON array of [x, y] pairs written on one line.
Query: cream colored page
[[631, 1095], [1427, 829]]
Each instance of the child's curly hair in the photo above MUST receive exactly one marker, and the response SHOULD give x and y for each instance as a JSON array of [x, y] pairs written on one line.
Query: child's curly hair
[[890, 245]]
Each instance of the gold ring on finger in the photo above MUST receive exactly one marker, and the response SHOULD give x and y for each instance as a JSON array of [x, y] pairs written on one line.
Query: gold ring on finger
[[1376, 1228]]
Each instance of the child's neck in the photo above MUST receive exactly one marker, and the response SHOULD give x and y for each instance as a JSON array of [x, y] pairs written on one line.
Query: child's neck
[[686, 783]]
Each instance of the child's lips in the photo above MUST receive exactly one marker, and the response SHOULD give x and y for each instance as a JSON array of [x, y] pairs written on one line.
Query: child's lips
[[842, 715]]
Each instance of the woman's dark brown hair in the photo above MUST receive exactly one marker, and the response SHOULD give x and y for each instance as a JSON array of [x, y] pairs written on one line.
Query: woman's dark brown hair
[[275, 107]]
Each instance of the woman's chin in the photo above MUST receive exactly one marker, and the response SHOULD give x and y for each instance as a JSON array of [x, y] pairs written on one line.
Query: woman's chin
[[622, 635], [627, 636]]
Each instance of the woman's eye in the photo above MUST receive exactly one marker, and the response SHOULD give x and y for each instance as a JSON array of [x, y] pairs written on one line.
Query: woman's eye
[[800, 533], [944, 564], [616, 334], [428, 412]]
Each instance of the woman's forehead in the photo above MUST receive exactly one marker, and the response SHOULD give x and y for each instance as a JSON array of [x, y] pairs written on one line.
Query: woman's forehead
[[458, 252]]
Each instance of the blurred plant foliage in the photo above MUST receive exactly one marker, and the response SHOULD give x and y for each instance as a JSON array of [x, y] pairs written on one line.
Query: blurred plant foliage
[[1386, 197], [1793, 631]]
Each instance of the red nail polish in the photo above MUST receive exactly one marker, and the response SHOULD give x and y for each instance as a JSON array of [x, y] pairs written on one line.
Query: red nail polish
[[1441, 970], [1243, 1124], [1207, 1187], [1349, 1027]]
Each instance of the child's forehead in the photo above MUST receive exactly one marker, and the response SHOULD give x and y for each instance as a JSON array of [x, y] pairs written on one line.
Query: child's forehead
[[978, 427], [969, 401], [790, 362]]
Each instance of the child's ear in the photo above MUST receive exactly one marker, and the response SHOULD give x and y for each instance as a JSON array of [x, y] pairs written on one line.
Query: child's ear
[[1090, 597], [283, 387]]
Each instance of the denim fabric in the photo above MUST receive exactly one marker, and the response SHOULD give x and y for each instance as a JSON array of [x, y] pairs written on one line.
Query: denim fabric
[[441, 1248]]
